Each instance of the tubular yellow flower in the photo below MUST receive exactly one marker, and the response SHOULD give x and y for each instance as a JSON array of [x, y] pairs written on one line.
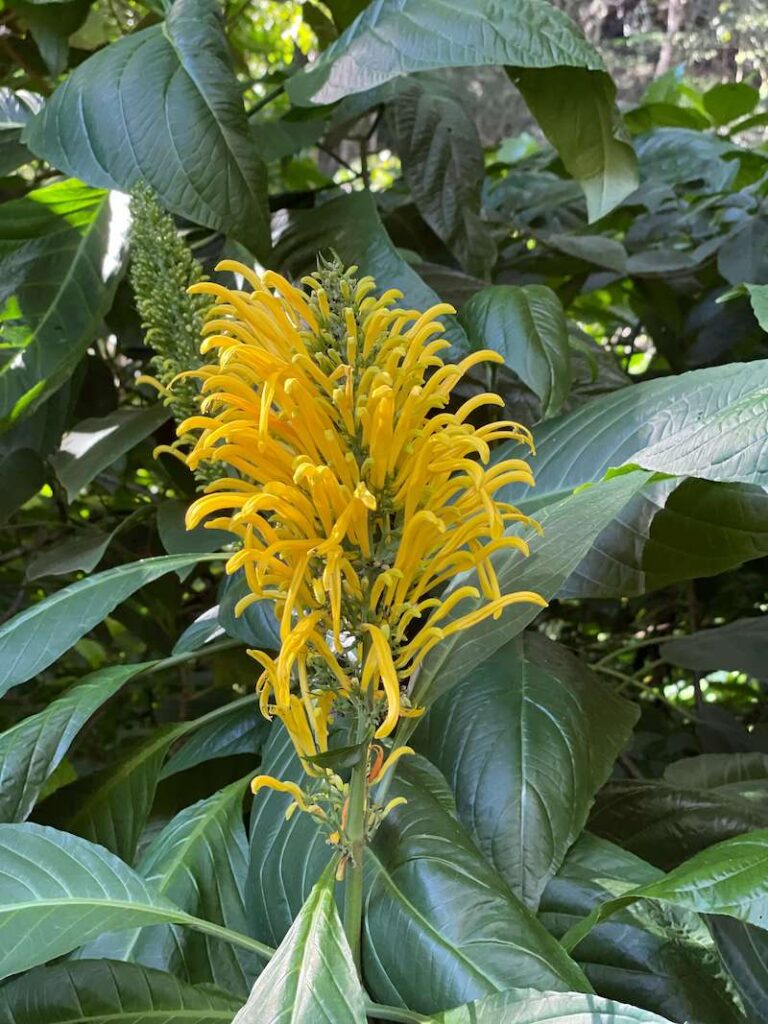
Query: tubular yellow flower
[[355, 492]]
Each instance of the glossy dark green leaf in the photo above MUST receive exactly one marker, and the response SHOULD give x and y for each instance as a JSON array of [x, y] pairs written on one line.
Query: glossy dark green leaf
[[59, 891], [36, 637], [674, 531], [111, 807], [742, 257], [124, 116], [31, 750], [93, 445], [432, 899], [199, 862], [729, 878], [205, 628], [570, 526], [678, 155], [546, 55], [527, 326], [352, 223], [649, 955], [664, 824], [107, 992], [239, 729], [51, 26], [438, 145], [741, 774], [526, 741], [278, 881], [744, 950], [62, 250], [527, 1006], [311, 978]]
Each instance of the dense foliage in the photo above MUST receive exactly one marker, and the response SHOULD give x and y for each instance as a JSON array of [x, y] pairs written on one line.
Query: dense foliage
[[582, 825]]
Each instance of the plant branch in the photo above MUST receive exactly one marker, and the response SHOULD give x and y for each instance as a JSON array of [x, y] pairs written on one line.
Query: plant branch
[[266, 100]]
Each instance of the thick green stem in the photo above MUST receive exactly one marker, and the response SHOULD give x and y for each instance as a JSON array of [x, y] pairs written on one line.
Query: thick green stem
[[355, 834]]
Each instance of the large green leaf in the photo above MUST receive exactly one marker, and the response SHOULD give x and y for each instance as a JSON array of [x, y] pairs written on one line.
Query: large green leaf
[[707, 422], [31, 751], [37, 636], [124, 116], [311, 979], [570, 526], [674, 531], [665, 824], [58, 891], [540, 45], [649, 954], [81, 553], [744, 949], [111, 807], [526, 1006], [740, 646], [728, 878], [422, 905], [62, 250], [22, 474], [199, 862], [352, 227], [526, 741], [107, 992], [442, 159], [527, 326], [94, 444], [432, 899]]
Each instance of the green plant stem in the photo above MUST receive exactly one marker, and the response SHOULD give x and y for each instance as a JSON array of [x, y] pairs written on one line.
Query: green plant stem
[[355, 830], [266, 100], [395, 1013], [629, 648]]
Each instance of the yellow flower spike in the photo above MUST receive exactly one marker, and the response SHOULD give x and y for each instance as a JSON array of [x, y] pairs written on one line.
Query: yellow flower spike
[[300, 799], [353, 491]]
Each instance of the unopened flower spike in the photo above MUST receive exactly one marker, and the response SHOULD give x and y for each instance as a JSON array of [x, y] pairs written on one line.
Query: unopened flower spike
[[358, 488]]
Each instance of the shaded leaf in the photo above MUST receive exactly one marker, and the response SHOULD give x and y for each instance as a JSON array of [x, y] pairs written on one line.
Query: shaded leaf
[[740, 646], [36, 637], [737, 773], [664, 824], [16, 108], [526, 741], [22, 474], [727, 101], [31, 751], [397, 37], [81, 553], [442, 160], [239, 729], [205, 628], [650, 955], [729, 878], [527, 326], [744, 949], [258, 625], [93, 445], [123, 116], [62, 250]]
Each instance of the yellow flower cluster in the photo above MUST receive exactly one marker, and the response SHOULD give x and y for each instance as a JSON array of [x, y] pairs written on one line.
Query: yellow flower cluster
[[355, 493]]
